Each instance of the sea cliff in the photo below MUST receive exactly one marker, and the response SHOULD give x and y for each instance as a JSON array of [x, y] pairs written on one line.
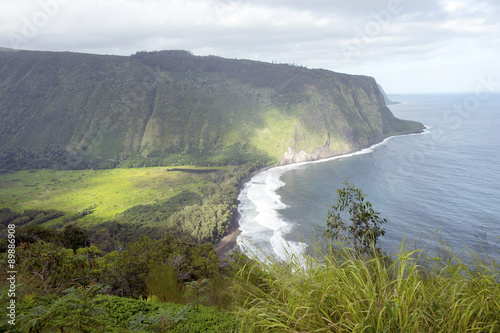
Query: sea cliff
[[72, 110]]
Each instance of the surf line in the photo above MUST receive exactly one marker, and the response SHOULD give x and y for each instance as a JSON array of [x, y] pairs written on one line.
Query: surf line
[[262, 227]]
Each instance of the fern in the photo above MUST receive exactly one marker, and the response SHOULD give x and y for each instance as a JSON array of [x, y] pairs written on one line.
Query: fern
[[77, 310], [163, 320]]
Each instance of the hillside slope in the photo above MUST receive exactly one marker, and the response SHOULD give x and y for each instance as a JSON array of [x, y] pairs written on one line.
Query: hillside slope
[[71, 110]]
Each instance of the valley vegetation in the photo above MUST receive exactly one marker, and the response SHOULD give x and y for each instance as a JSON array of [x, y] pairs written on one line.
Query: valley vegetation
[[75, 266], [69, 281], [118, 206]]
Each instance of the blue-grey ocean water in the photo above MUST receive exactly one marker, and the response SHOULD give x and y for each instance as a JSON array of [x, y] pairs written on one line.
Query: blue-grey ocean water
[[440, 185]]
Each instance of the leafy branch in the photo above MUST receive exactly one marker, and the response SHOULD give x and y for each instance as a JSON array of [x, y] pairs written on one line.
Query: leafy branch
[[362, 227]]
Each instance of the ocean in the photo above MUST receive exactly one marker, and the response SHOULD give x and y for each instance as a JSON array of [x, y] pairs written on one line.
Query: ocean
[[439, 186]]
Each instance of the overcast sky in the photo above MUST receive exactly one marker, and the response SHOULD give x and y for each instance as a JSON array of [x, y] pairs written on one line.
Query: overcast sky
[[409, 46]]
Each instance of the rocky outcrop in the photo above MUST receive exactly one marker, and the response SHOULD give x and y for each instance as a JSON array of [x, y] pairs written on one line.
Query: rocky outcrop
[[292, 156]]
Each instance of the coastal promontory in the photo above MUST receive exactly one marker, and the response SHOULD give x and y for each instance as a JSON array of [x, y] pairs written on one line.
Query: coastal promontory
[[73, 110]]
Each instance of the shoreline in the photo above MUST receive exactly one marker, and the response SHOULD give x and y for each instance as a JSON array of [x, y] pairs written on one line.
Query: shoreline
[[229, 243]]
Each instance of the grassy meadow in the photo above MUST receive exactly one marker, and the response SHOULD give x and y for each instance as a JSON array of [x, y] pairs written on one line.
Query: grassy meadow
[[105, 192]]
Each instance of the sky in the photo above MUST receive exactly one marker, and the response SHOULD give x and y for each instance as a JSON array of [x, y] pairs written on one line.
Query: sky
[[409, 46]]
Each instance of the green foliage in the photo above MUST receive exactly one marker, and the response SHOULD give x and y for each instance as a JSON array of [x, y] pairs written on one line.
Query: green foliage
[[205, 261], [53, 268], [158, 213], [196, 291], [7, 216], [28, 226], [341, 292], [363, 229], [92, 196], [157, 264], [122, 311], [159, 268], [31, 216], [209, 320], [71, 236], [205, 223], [162, 282], [74, 237], [111, 236], [77, 311], [97, 312], [31, 233], [163, 320], [196, 201]]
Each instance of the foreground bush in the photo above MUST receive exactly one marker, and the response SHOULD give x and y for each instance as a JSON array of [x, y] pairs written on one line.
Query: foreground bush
[[335, 291], [84, 309]]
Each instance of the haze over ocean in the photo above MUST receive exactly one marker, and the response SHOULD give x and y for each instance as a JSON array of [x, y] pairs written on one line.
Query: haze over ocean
[[444, 182]]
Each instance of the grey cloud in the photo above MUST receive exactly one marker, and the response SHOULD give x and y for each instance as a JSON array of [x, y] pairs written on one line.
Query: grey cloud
[[309, 33]]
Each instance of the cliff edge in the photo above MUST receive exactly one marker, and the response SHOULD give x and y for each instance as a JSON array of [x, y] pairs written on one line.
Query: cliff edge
[[72, 110]]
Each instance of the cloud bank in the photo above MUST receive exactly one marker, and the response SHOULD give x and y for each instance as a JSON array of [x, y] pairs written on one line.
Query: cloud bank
[[409, 46]]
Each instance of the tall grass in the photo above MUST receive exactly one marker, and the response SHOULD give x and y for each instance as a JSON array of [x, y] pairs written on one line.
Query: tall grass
[[338, 291]]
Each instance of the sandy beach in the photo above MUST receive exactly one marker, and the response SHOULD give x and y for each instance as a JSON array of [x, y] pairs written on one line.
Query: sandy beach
[[229, 242]]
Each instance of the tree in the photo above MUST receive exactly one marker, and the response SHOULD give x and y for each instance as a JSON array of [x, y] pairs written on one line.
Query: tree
[[53, 267], [74, 237], [363, 228]]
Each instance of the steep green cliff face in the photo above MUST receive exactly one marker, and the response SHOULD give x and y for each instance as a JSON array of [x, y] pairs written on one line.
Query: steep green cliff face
[[69, 110]]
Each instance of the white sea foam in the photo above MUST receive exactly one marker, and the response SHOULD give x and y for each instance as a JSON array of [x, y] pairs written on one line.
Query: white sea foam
[[263, 228], [260, 220]]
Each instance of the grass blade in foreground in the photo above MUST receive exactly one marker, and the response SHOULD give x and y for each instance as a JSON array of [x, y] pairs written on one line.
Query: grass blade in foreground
[[335, 291]]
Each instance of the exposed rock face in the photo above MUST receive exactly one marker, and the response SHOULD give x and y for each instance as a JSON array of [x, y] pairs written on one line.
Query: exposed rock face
[[291, 156]]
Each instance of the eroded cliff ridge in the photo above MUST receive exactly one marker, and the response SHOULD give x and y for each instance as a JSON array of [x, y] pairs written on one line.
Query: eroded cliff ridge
[[71, 110]]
